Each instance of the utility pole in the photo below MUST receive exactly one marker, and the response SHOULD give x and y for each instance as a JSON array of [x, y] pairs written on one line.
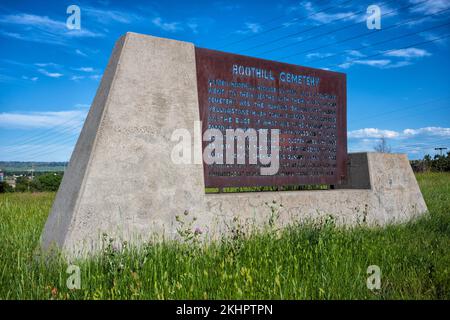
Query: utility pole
[[32, 175], [440, 150]]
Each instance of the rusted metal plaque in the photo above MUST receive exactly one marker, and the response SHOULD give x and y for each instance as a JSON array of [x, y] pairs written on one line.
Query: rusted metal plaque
[[307, 105]]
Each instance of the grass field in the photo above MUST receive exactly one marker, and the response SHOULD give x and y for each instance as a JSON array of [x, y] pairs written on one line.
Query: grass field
[[303, 262]]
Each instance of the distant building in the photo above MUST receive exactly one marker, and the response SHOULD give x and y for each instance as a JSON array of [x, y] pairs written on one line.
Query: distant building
[[11, 182], [1, 176]]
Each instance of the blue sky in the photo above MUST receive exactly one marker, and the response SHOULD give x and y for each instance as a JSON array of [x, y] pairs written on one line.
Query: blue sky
[[397, 77]]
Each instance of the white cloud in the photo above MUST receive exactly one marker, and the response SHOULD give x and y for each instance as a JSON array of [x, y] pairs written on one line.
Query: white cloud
[[109, 16], [318, 55], [46, 64], [325, 17], [379, 63], [406, 133], [43, 29], [85, 69], [435, 131], [193, 26], [14, 35], [408, 53], [372, 133], [80, 53], [52, 119], [50, 74], [398, 64], [373, 63], [355, 53], [406, 56], [32, 20], [430, 6], [415, 142], [166, 26], [250, 27], [76, 78], [34, 79]]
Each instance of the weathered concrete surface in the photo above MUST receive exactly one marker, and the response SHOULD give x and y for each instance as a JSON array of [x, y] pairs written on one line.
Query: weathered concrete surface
[[121, 180]]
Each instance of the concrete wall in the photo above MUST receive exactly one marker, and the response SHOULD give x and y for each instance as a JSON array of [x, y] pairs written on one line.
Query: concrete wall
[[121, 180]]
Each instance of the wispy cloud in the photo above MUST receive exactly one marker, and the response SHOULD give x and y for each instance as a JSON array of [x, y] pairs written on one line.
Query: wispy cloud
[[85, 69], [43, 29], [80, 53], [14, 35], [406, 133], [379, 63], [318, 55], [430, 6], [166, 26], [402, 58], [408, 53], [46, 64], [34, 79], [372, 133], [50, 74], [62, 120], [106, 16], [415, 142], [250, 27], [326, 17], [77, 78], [355, 53]]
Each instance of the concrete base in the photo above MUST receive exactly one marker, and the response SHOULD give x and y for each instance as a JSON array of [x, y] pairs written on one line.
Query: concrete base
[[121, 180]]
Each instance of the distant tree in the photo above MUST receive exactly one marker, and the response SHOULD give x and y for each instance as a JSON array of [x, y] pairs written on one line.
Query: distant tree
[[5, 187], [383, 146], [22, 184], [436, 163], [46, 182]]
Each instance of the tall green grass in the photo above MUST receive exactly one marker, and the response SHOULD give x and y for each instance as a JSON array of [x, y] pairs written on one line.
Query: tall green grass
[[315, 261]]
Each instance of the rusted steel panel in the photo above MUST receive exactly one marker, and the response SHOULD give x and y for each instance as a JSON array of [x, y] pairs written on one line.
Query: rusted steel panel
[[307, 105]]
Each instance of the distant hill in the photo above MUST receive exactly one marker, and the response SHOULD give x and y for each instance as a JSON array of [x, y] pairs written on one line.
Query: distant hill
[[16, 166]]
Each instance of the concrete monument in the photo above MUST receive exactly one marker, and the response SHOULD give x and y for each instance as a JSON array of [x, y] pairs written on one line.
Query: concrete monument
[[122, 180]]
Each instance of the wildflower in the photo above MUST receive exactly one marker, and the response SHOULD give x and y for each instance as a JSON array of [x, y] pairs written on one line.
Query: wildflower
[[198, 231]]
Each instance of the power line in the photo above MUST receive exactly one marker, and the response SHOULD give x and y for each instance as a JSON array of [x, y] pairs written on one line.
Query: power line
[[419, 113], [427, 143], [336, 30], [45, 148], [50, 149], [32, 138], [43, 136], [401, 109], [262, 23], [368, 34], [283, 25], [387, 51], [306, 30]]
